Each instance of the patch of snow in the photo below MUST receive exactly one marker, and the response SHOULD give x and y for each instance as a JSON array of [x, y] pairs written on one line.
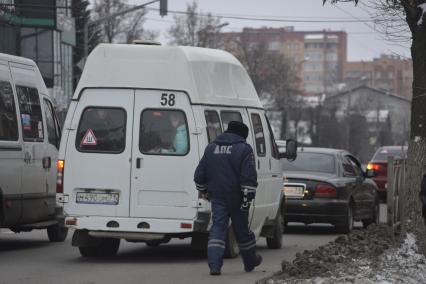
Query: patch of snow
[[417, 139], [423, 7]]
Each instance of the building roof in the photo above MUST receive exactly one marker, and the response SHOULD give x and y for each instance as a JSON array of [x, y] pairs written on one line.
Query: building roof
[[384, 93], [209, 76]]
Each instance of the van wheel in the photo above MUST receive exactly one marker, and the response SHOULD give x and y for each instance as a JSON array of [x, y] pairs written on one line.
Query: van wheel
[[88, 251], [106, 247], [276, 241], [57, 233], [232, 249], [153, 243]]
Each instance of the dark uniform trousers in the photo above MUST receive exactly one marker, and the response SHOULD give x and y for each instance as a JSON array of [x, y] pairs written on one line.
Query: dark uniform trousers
[[224, 208]]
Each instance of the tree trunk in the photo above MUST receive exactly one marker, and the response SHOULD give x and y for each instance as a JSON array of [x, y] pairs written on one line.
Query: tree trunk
[[412, 213]]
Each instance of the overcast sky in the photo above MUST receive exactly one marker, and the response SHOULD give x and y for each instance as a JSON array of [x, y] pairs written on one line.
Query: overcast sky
[[364, 41]]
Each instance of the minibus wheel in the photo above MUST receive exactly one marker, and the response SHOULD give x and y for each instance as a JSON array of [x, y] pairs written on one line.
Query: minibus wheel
[[57, 233], [275, 242], [232, 249]]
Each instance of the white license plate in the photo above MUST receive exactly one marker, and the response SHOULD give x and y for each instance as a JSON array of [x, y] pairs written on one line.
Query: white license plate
[[97, 198], [294, 191]]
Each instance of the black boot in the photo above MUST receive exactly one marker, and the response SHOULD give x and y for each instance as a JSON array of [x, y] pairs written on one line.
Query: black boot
[[256, 263], [215, 271]]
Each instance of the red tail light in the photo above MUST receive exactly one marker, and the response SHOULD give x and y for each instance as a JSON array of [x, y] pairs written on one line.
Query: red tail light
[[60, 177], [325, 190], [374, 167]]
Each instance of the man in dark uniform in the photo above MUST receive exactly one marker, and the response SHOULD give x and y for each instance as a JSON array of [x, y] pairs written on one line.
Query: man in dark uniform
[[227, 174]]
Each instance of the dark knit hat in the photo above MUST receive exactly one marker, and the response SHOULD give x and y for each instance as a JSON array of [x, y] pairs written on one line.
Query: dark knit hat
[[238, 128]]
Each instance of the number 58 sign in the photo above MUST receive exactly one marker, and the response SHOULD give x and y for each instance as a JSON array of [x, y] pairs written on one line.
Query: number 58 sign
[[168, 99]]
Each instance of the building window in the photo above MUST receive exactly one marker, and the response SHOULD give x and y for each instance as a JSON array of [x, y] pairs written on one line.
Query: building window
[[37, 44], [274, 45]]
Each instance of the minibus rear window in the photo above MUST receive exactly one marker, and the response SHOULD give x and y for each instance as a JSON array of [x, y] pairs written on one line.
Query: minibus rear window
[[102, 130], [163, 132]]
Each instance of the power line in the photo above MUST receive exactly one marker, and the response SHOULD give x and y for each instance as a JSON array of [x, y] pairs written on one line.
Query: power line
[[266, 19]]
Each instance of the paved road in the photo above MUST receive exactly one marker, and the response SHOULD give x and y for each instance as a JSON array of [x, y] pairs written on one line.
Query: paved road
[[30, 258]]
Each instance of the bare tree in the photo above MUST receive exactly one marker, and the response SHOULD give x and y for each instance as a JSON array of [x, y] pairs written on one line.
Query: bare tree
[[195, 28], [124, 28], [414, 14], [272, 74]]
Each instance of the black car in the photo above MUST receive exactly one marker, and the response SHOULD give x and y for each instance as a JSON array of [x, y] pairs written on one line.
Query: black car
[[329, 186]]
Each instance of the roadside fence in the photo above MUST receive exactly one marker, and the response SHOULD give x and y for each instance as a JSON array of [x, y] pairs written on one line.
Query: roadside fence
[[397, 168]]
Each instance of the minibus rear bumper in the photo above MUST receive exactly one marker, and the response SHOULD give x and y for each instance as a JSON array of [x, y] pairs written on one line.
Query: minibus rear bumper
[[134, 228]]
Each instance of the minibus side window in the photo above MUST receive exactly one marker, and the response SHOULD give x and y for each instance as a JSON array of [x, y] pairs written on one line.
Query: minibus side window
[[274, 147], [213, 124], [8, 120], [31, 114], [258, 134], [163, 132], [228, 116], [102, 130], [52, 133]]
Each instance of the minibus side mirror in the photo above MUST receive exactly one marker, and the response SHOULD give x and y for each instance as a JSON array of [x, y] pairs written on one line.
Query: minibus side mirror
[[291, 150]]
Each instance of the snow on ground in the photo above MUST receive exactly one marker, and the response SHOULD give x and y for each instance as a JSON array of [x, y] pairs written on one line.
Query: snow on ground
[[400, 264]]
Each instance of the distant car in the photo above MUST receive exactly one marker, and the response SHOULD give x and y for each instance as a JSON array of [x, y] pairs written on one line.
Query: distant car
[[329, 186], [379, 163]]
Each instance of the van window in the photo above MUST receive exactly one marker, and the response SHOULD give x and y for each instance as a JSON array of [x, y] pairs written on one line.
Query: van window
[[52, 130], [274, 147], [258, 134], [102, 130], [228, 116], [31, 115], [213, 124], [163, 132], [8, 120]]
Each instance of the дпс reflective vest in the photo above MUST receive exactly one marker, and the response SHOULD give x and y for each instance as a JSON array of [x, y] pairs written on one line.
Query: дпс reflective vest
[[227, 168]]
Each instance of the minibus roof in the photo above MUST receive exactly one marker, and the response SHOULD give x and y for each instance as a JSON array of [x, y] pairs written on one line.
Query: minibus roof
[[209, 76], [17, 59]]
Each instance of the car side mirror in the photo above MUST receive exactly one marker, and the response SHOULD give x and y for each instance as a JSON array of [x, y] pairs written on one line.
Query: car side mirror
[[369, 173], [291, 150]]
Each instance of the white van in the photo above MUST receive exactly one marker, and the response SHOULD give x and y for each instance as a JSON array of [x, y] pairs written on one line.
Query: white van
[[29, 142], [137, 126]]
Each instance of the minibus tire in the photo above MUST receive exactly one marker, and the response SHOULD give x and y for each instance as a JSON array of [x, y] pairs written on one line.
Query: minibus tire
[[108, 247], [232, 250], [88, 251], [57, 233], [276, 241]]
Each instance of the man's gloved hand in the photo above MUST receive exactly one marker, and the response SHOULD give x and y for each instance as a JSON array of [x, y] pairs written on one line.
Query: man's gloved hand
[[245, 206]]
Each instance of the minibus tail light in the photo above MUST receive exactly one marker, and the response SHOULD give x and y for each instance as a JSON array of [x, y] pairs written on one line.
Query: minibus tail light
[[60, 177]]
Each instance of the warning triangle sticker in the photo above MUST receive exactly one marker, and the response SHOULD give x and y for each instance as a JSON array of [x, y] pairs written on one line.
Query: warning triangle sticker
[[89, 138]]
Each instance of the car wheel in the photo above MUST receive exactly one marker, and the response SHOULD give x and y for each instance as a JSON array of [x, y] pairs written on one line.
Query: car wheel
[[348, 224], [375, 216], [57, 233], [275, 242], [232, 249]]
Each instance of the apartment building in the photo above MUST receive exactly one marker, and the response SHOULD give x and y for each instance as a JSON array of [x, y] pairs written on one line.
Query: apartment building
[[388, 73], [318, 57]]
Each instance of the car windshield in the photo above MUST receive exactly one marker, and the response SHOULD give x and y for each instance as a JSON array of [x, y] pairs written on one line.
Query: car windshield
[[310, 162], [383, 153]]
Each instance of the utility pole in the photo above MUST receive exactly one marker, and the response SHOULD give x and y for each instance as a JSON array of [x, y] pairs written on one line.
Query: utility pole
[[163, 12]]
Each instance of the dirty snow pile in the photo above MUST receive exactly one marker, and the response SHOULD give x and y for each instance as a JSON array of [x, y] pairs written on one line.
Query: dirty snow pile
[[364, 256]]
